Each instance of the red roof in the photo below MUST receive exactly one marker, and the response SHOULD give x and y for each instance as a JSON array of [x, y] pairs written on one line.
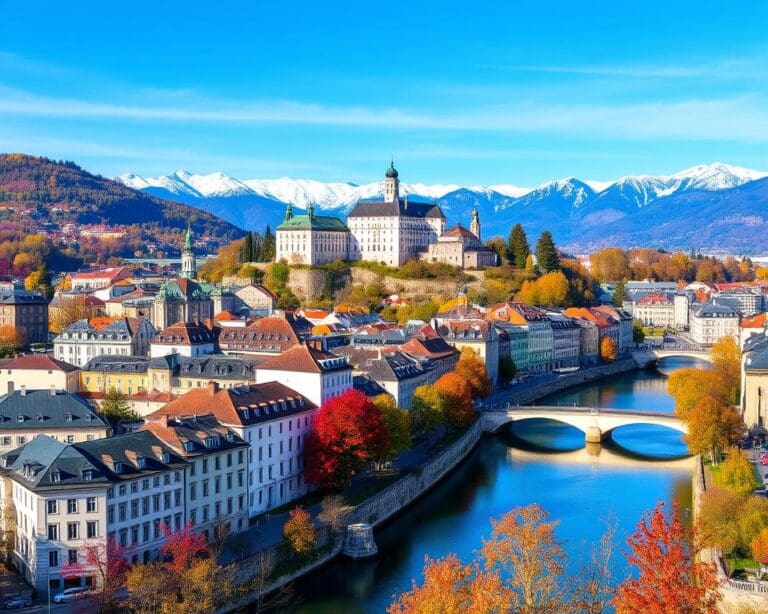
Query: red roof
[[38, 362], [757, 321], [654, 299], [113, 272], [272, 335], [302, 358]]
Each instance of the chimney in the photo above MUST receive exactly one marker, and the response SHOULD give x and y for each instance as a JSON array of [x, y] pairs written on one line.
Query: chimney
[[53, 390], [10, 387], [213, 388], [23, 390]]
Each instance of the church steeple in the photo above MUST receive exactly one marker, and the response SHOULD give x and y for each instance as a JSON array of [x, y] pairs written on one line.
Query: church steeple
[[188, 262], [391, 184], [474, 226], [288, 212]]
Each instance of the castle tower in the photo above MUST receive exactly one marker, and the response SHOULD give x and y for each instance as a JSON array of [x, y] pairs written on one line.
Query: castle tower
[[474, 226], [188, 263], [391, 184]]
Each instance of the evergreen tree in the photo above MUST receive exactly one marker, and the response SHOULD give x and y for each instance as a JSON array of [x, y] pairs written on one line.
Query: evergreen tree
[[257, 245], [619, 294], [547, 257], [518, 248], [267, 246], [247, 255]]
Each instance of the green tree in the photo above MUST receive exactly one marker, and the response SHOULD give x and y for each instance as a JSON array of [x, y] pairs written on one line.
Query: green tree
[[518, 248], [247, 255], [427, 408], [398, 424], [267, 252], [737, 474], [638, 333], [619, 294], [116, 407], [507, 368], [547, 258]]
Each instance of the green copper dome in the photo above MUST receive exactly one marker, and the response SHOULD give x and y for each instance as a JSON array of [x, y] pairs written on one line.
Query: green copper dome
[[391, 171]]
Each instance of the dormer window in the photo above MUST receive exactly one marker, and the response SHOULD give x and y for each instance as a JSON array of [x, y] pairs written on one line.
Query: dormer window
[[117, 467], [247, 414], [40, 417], [19, 418], [56, 476], [189, 446], [212, 442], [230, 437], [166, 456], [88, 475], [141, 461], [67, 417]]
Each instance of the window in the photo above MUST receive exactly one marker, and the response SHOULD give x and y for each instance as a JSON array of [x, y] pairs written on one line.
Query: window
[[55, 476], [145, 505], [193, 491], [88, 474], [71, 506], [205, 488], [53, 506], [205, 465], [122, 489], [121, 513], [72, 556], [217, 485], [53, 532], [134, 508], [135, 486], [91, 529], [217, 462], [53, 558], [73, 530], [90, 504], [111, 514], [155, 503]]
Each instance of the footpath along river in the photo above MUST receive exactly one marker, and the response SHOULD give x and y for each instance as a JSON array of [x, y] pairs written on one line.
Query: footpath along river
[[536, 461]]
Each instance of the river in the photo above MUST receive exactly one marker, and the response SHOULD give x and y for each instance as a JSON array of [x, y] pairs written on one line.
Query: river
[[537, 461]]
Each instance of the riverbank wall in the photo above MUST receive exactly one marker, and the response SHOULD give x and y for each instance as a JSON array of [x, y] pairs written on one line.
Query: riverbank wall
[[375, 510], [396, 497], [736, 595]]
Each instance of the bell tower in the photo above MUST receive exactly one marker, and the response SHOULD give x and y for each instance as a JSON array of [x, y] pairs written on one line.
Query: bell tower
[[391, 184], [474, 226], [188, 262]]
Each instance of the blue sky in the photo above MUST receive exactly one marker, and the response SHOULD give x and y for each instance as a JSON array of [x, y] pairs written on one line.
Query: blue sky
[[490, 92]]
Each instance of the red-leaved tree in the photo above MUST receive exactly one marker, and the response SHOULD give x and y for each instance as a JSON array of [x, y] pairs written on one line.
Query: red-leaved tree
[[182, 548], [107, 565], [669, 578], [348, 432]]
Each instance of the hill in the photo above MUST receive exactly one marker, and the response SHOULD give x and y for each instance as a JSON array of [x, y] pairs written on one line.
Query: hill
[[729, 204], [92, 217]]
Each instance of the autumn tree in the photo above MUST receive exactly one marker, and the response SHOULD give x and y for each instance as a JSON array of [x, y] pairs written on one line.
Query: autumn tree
[[497, 244], [456, 400], [472, 368], [452, 587], [607, 349], [108, 565], [751, 519], [737, 474], [333, 512], [547, 258], [299, 532], [717, 525], [148, 587], [427, 408], [398, 425], [11, 340], [726, 360], [594, 588], [348, 432], [689, 386], [116, 407], [39, 280], [610, 264], [550, 290], [67, 310], [760, 547], [668, 576], [517, 248], [712, 427], [523, 548]]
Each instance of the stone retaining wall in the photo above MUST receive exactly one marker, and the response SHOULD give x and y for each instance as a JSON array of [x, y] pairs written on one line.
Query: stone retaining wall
[[374, 510]]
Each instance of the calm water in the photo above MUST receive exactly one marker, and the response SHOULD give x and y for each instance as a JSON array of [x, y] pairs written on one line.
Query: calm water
[[538, 461]]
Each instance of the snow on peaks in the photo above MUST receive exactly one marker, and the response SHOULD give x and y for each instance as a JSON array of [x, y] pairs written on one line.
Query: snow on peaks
[[717, 176]]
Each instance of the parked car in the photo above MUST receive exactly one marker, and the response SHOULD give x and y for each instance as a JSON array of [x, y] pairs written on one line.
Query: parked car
[[19, 601], [71, 594]]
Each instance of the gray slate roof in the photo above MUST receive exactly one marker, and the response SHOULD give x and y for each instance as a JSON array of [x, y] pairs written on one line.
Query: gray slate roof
[[403, 208], [41, 409]]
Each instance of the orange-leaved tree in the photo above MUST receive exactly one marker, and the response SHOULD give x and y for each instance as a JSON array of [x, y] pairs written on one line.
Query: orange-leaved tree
[[607, 349], [760, 547], [456, 396], [737, 474], [523, 549], [713, 426], [689, 386], [726, 360], [450, 586], [669, 577], [472, 368], [299, 532]]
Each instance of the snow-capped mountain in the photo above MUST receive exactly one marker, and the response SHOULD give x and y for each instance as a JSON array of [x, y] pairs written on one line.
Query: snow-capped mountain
[[572, 205]]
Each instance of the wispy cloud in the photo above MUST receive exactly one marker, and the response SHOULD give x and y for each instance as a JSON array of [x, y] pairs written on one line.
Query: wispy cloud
[[742, 118]]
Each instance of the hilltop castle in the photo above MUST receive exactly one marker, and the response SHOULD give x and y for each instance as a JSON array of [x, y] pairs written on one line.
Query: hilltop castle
[[391, 230]]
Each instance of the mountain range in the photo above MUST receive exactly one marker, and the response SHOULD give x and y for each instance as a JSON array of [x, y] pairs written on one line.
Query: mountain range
[[715, 206]]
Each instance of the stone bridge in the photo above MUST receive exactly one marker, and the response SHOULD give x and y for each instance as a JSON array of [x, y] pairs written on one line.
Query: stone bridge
[[596, 424], [649, 357]]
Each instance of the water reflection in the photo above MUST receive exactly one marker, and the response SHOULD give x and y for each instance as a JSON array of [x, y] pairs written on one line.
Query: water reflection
[[580, 486]]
